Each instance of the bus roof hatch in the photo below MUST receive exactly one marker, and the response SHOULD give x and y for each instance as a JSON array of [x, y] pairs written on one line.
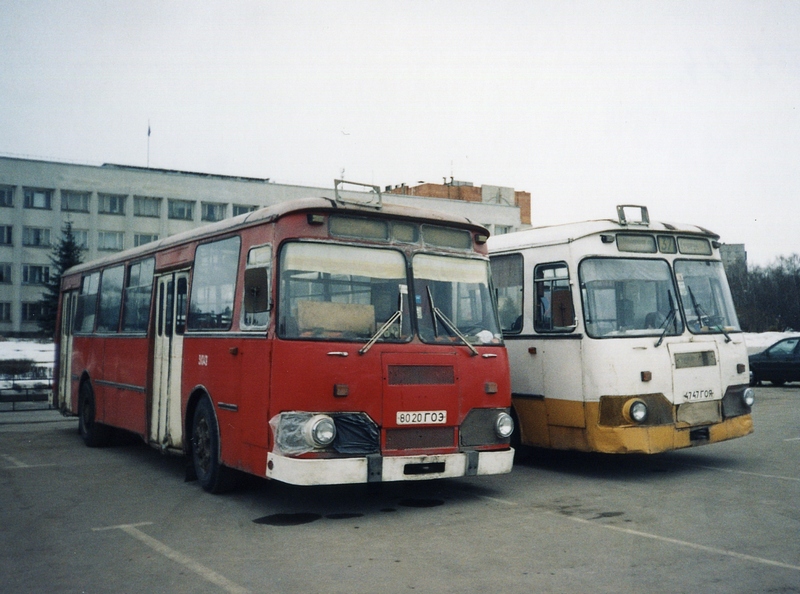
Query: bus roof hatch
[[627, 213], [374, 200]]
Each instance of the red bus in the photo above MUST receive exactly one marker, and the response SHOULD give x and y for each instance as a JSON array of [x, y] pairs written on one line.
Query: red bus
[[319, 341]]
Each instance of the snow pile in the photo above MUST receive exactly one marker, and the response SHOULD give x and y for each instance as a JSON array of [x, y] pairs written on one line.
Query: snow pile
[[42, 353], [758, 342]]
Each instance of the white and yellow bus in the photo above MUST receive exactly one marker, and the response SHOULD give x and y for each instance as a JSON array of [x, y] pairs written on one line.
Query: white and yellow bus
[[621, 335]]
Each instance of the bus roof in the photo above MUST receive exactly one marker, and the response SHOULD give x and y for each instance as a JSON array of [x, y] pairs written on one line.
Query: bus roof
[[569, 232], [273, 213]]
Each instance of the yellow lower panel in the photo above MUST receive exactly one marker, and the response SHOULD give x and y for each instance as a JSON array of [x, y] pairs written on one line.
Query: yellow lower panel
[[535, 431]]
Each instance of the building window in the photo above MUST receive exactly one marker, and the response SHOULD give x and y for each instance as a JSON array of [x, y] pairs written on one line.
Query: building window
[[111, 204], [38, 198], [6, 196], [81, 237], [35, 275], [144, 206], [32, 311], [5, 234], [75, 201], [181, 209], [240, 209], [5, 311], [5, 273], [213, 211], [35, 237], [109, 241], [143, 238]]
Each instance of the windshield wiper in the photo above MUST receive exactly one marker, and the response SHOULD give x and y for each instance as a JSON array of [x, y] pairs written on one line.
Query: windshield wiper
[[381, 331], [701, 313], [671, 316], [398, 315], [436, 312]]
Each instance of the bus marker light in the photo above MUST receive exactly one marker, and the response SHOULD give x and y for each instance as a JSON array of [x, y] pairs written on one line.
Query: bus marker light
[[749, 396], [532, 350], [341, 390], [490, 387], [315, 219], [740, 368], [647, 376]]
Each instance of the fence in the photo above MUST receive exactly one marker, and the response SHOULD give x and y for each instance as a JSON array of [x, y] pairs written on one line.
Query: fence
[[32, 385]]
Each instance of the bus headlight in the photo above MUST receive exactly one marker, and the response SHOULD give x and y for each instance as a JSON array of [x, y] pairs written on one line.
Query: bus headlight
[[635, 411], [749, 396], [319, 431], [504, 425]]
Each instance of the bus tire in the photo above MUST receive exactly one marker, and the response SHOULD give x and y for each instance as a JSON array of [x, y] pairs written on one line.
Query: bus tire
[[211, 474], [94, 434]]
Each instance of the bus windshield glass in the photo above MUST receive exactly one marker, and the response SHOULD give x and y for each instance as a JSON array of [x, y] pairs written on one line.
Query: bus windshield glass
[[341, 292], [706, 297], [628, 297], [453, 294]]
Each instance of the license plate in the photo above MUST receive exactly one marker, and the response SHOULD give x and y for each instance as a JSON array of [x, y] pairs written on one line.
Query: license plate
[[422, 417], [695, 395]]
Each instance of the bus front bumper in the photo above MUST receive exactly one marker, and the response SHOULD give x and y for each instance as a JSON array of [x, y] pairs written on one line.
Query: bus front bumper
[[368, 469]]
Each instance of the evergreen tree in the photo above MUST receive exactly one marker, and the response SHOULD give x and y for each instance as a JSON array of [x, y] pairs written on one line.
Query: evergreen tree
[[66, 253]]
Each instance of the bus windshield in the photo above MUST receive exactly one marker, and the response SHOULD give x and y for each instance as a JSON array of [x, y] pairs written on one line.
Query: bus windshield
[[706, 297], [342, 292], [454, 292], [628, 297]]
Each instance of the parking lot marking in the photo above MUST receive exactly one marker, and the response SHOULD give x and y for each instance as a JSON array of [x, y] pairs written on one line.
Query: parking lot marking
[[758, 474], [684, 543], [158, 546], [792, 439], [15, 463]]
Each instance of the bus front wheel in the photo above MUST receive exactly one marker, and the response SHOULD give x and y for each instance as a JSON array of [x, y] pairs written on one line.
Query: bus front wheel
[[211, 474], [94, 434]]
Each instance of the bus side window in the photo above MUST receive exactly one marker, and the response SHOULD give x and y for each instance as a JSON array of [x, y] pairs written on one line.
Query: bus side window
[[214, 285], [87, 303], [136, 296], [553, 310], [508, 284], [110, 299], [255, 297]]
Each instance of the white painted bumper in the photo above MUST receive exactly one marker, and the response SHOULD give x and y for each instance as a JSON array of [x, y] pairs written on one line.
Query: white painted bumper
[[335, 471]]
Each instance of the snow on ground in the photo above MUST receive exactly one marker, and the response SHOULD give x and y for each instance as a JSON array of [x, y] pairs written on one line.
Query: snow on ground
[[758, 342], [39, 352]]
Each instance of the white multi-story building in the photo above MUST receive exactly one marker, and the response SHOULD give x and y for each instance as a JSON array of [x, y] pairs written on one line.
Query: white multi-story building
[[115, 207]]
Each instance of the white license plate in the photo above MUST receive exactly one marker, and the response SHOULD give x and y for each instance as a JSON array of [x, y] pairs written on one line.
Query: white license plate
[[422, 417]]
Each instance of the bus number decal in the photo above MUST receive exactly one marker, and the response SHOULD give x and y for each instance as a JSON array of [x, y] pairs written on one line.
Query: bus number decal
[[422, 417], [202, 360]]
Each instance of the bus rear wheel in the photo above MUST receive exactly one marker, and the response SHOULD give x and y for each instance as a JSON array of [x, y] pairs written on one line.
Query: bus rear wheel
[[211, 474], [94, 434]]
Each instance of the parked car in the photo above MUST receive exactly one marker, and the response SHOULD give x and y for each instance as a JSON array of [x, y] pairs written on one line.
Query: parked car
[[778, 364]]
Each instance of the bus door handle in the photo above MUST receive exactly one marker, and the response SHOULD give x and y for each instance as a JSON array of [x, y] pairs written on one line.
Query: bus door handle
[[338, 354], [234, 351]]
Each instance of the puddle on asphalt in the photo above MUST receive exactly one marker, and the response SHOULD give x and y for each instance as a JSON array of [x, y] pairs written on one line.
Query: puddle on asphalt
[[421, 502], [288, 519]]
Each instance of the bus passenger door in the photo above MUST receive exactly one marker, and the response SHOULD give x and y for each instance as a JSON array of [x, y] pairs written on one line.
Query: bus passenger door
[[165, 413], [64, 378]]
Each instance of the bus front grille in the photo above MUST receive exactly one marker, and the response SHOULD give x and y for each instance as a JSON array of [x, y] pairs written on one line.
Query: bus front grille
[[420, 437]]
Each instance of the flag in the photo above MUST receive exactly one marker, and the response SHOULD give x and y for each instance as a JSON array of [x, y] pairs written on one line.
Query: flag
[[148, 129]]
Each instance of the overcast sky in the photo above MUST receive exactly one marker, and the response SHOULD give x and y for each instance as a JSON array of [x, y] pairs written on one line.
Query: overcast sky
[[690, 108]]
